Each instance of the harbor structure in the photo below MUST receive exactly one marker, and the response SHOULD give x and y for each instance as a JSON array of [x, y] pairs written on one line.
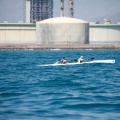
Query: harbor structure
[[106, 33], [17, 33], [37, 10], [12, 33], [62, 31]]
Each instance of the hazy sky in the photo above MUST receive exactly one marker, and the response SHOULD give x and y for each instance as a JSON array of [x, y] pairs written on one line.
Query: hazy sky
[[89, 10]]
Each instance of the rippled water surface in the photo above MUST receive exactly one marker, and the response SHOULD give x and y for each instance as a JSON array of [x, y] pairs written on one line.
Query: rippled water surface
[[76, 92]]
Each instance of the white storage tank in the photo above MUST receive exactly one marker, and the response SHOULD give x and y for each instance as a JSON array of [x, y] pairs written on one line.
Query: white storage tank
[[62, 31]]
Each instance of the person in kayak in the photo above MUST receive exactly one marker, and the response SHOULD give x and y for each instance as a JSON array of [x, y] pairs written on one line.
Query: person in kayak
[[64, 61], [92, 59], [80, 60]]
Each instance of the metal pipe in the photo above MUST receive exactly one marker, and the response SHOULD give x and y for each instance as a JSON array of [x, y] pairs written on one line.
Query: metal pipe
[[71, 10], [62, 8]]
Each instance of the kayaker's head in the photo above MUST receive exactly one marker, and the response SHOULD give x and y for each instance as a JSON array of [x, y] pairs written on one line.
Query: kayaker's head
[[64, 58], [92, 58], [81, 57]]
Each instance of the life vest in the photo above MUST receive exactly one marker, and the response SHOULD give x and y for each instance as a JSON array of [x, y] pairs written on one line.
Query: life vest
[[64, 61], [80, 60]]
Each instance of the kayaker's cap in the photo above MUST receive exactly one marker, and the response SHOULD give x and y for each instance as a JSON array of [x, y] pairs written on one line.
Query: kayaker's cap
[[81, 56]]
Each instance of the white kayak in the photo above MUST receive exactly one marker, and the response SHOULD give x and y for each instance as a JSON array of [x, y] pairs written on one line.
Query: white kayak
[[74, 63]]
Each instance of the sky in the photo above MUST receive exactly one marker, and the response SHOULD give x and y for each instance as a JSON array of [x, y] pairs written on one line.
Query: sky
[[88, 10]]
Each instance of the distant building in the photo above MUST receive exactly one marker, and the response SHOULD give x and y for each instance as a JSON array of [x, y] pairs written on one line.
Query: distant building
[[59, 32], [37, 10], [27, 11]]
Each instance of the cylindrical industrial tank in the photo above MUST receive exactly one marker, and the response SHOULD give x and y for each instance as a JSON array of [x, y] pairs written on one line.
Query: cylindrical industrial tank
[[62, 31]]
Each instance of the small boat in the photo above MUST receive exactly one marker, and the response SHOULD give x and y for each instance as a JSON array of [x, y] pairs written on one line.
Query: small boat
[[75, 63]]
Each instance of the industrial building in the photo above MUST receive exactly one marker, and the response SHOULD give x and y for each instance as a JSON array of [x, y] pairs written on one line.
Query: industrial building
[[17, 33], [104, 34], [63, 31], [59, 32], [70, 8], [37, 10]]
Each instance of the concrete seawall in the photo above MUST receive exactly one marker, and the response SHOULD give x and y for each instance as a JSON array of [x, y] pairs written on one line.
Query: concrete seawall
[[44, 47]]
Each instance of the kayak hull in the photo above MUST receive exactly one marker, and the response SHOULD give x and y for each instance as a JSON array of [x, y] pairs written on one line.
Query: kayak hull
[[94, 61]]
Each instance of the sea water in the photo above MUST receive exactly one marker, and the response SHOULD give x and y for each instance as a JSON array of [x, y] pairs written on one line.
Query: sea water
[[76, 92]]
